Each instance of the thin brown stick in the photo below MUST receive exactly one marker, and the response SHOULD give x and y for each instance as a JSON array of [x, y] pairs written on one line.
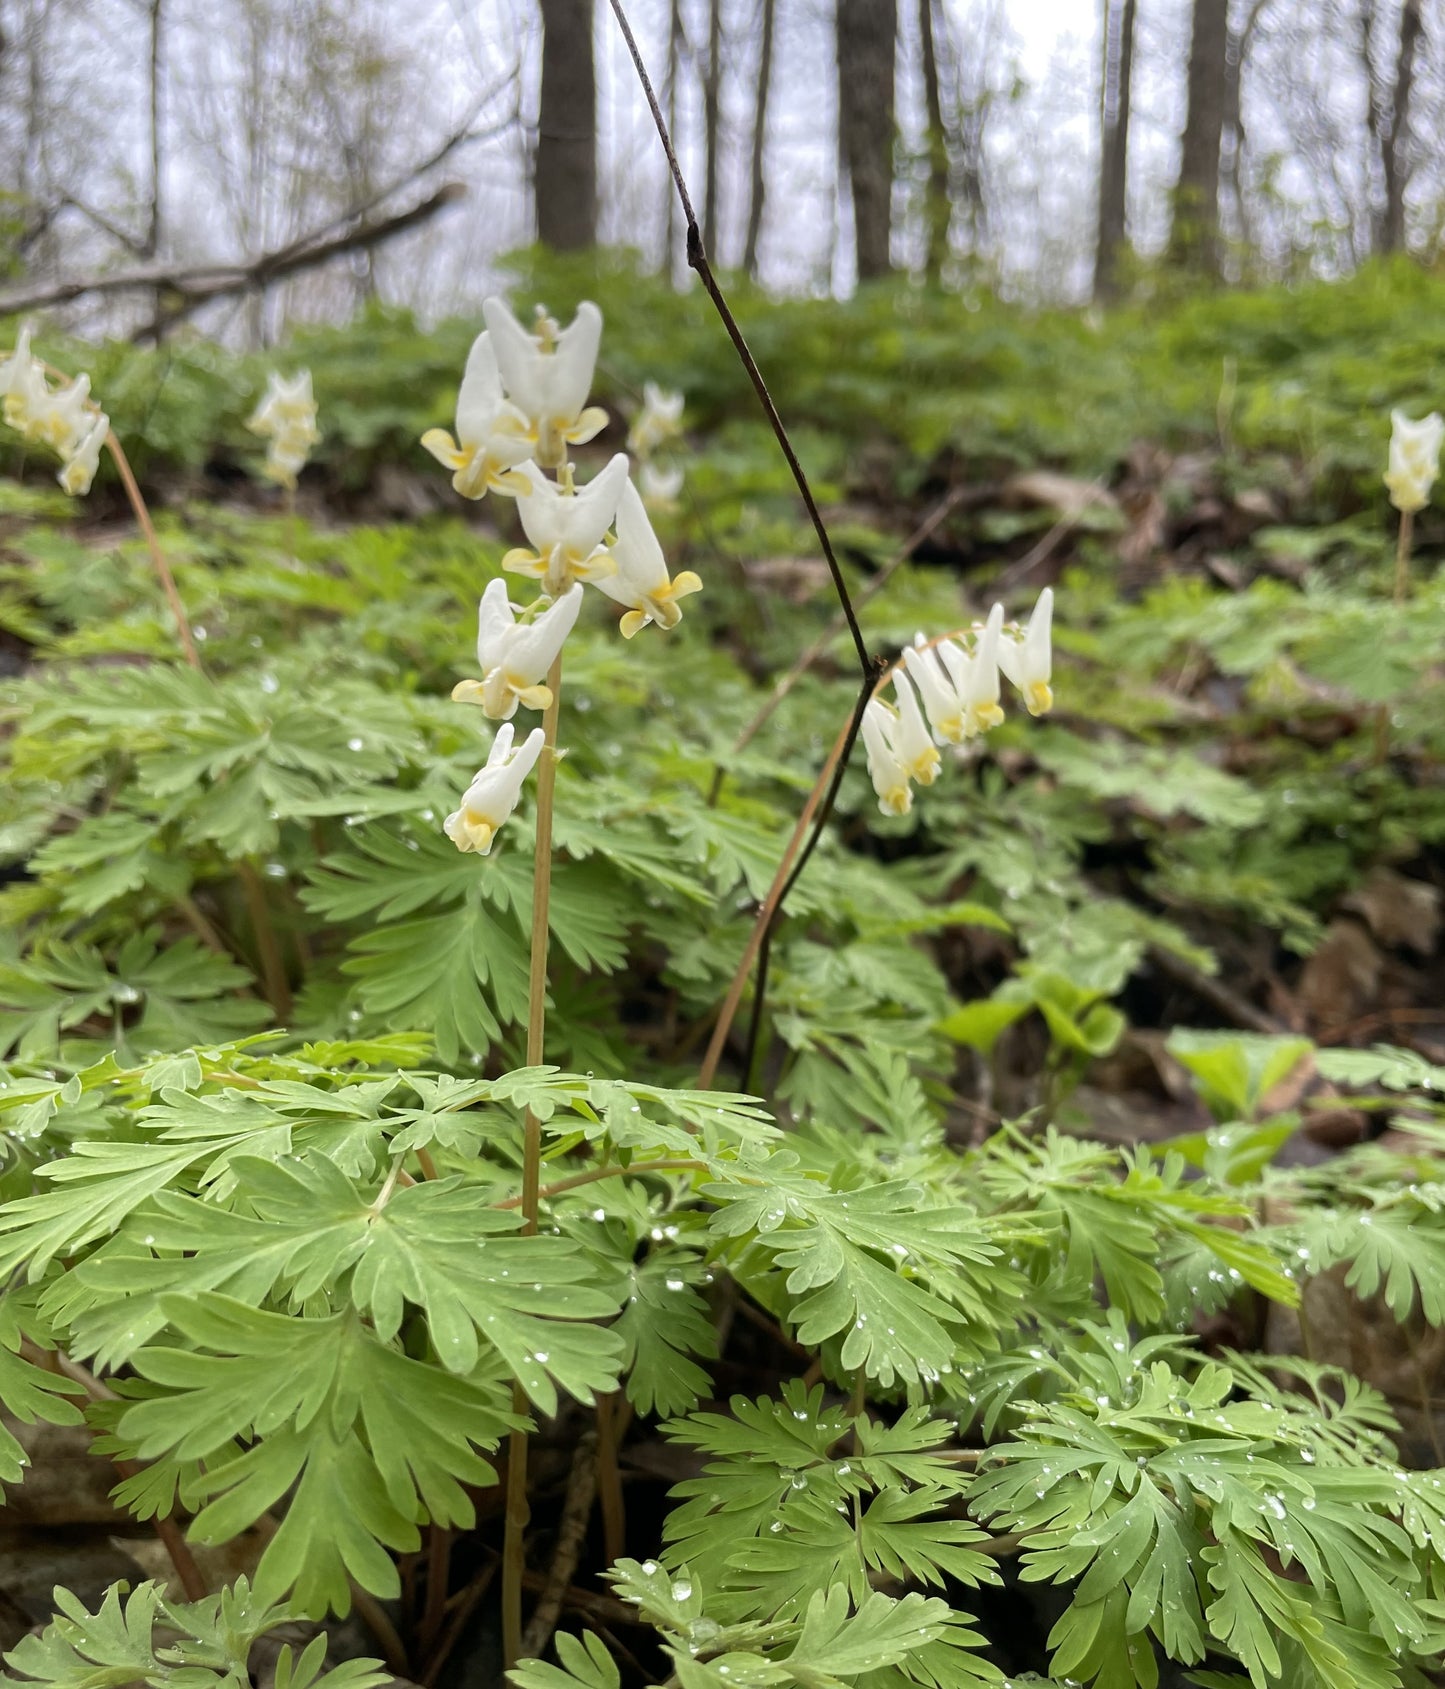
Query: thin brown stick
[[438, 1570], [571, 1532], [609, 1483], [613, 1170], [461, 1613], [147, 528], [196, 920], [726, 1015], [518, 1513], [698, 260], [273, 970]]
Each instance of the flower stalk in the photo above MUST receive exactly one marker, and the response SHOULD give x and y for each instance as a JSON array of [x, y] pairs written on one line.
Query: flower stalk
[[518, 1513], [148, 530]]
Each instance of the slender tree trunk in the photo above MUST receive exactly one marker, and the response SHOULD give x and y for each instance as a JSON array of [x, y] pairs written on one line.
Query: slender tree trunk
[[867, 42], [1194, 237], [760, 136], [566, 183], [151, 244], [938, 210], [1396, 163], [1114, 153], [711, 113]]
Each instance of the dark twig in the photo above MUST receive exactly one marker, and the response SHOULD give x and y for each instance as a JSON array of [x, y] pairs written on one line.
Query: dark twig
[[571, 1530], [698, 260]]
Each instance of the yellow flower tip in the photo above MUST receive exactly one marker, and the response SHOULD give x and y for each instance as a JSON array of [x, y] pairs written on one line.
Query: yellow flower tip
[[924, 769], [510, 482], [520, 561], [599, 566], [467, 692], [685, 584], [587, 426], [1039, 698], [987, 716], [534, 697], [443, 448], [897, 800], [634, 622]]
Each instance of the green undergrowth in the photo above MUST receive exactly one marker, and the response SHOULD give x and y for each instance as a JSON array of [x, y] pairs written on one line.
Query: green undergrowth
[[262, 1026]]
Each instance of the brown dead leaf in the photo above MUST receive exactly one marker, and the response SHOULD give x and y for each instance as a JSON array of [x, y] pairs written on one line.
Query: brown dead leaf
[[1341, 980], [1402, 913]]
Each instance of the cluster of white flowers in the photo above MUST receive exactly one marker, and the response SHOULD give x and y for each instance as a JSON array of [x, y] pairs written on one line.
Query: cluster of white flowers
[[66, 418], [522, 404], [959, 685], [286, 417], [1414, 459], [655, 426]]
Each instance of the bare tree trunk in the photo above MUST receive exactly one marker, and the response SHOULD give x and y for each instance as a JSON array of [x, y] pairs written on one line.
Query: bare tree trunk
[[1114, 154], [566, 184], [710, 115], [760, 136], [1194, 237], [867, 41], [1396, 163], [937, 210], [152, 243]]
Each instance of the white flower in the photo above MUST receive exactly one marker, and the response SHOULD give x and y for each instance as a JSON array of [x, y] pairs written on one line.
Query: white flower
[[641, 581], [286, 416], [909, 736], [1028, 659], [934, 673], [659, 420], [1414, 459], [548, 376], [514, 657], [22, 383], [287, 404], [567, 528], [493, 795], [960, 690], [886, 768], [492, 435], [659, 487], [78, 470], [61, 419]]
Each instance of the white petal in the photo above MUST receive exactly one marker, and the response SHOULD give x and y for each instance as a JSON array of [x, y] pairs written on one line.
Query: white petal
[[494, 621], [517, 356], [480, 396], [573, 363]]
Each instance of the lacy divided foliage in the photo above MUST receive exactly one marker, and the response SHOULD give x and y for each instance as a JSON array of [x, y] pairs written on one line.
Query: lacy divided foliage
[[297, 1259], [291, 1321]]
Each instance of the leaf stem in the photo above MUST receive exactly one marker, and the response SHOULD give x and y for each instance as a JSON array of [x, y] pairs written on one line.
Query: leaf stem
[[147, 528], [514, 1543], [1403, 547], [273, 971], [613, 1170]]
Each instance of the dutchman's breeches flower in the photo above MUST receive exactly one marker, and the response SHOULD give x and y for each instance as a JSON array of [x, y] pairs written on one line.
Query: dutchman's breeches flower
[[286, 417], [547, 375], [493, 436], [911, 743], [79, 469], [493, 795], [567, 528], [1414, 459], [886, 768], [1028, 659], [659, 420], [514, 656], [641, 580]]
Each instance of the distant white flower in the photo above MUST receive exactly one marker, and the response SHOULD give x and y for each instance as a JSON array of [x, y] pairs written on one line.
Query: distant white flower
[[286, 417], [60, 419], [79, 468], [493, 795], [492, 434], [960, 688], [659, 420], [567, 528], [23, 384], [886, 767], [514, 657], [547, 375], [1414, 459], [1028, 659], [659, 485], [641, 581], [934, 677]]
